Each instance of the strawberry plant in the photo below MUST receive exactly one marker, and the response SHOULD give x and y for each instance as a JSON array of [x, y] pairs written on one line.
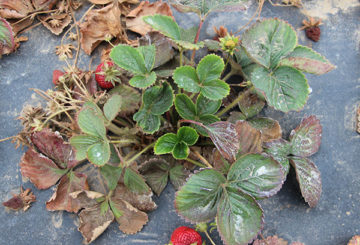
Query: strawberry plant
[[157, 115]]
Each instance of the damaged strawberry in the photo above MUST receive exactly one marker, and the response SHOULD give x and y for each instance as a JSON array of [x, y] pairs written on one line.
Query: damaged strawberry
[[21, 201], [106, 75]]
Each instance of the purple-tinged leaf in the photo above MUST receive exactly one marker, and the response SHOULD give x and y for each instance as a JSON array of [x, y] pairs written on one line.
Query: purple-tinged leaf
[[93, 223], [308, 176], [270, 128], [305, 139], [53, 146], [7, 43], [224, 136], [61, 199], [249, 137], [279, 149], [41, 171]]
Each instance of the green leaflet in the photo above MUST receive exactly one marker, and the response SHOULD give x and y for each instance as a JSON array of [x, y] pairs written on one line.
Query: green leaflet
[[279, 149], [177, 144], [268, 41], [135, 182], [81, 143], [285, 88], [130, 98], [143, 81], [111, 174], [91, 123], [99, 153], [112, 107]]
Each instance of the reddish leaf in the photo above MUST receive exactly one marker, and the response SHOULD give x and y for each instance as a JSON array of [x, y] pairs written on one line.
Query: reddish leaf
[[21, 201], [61, 199], [224, 136], [249, 137], [219, 162], [270, 128], [53, 146], [100, 24], [41, 171], [7, 43], [93, 223], [355, 240], [306, 138], [134, 21], [308, 176]]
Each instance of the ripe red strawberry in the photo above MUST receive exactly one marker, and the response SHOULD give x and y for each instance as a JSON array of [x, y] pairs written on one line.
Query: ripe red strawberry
[[313, 33], [185, 236], [56, 75], [106, 75]]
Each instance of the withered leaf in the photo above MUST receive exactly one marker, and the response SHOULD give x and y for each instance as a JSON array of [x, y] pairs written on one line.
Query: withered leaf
[[41, 171], [61, 199], [53, 146], [274, 240], [98, 25], [85, 198], [224, 136], [93, 223], [250, 140], [306, 138], [308, 176], [56, 22], [15, 9], [355, 240], [270, 128], [134, 21], [21, 201]]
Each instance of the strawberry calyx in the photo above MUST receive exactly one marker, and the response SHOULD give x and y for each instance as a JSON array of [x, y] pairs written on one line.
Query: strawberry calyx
[[106, 72]]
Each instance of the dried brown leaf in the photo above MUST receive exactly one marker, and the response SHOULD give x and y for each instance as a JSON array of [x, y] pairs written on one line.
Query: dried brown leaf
[[21, 201], [41, 170], [61, 199], [93, 223], [250, 139], [355, 240], [100, 24], [134, 21], [15, 9], [86, 198], [52, 145], [274, 240], [56, 22]]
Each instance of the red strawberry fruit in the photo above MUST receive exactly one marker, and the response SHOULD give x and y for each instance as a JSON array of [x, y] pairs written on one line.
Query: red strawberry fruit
[[106, 75], [185, 236], [56, 75]]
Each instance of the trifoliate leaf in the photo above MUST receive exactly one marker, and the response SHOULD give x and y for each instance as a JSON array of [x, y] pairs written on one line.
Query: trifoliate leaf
[[166, 144], [164, 24], [187, 135], [210, 68], [205, 106], [143, 81], [185, 77], [129, 58], [147, 121], [185, 107], [181, 150]]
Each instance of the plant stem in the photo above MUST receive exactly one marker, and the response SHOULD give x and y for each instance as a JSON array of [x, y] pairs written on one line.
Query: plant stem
[[181, 56], [122, 141], [196, 163], [197, 39], [228, 107], [8, 138], [208, 236], [230, 74], [203, 159], [127, 163], [115, 129]]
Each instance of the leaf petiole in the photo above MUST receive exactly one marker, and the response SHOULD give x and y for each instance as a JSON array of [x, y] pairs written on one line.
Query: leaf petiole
[[136, 156]]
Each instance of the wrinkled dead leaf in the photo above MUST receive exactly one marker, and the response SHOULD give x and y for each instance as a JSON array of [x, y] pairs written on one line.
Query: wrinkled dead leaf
[[99, 25], [93, 223], [21, 201], [41, 170], [61, 199], [56, 22], [134, 21], [15, 9], [250, 139], [85, 198]]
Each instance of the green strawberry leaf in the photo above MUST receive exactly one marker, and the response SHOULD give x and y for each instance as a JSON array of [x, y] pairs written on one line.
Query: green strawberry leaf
[[91, 123], [111, 174], [187, 135], [185, 77], [164, 24], [130, 97], [117, 213], [307, 60], [257, 175], [112, 107], [188, 34], [268, 41], [143, 81], [181, 150], [239, 218], [150, 123], [197, 200], [215, 89], [99, 153], [210, 68], [285, 88], [158, 99], [148, 53], [166, 144], [305, 139], [129, 58], [185, 107], [6, 35], [206, 106], [279, 149], [308, 176], [81, 143], [135, 182]]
